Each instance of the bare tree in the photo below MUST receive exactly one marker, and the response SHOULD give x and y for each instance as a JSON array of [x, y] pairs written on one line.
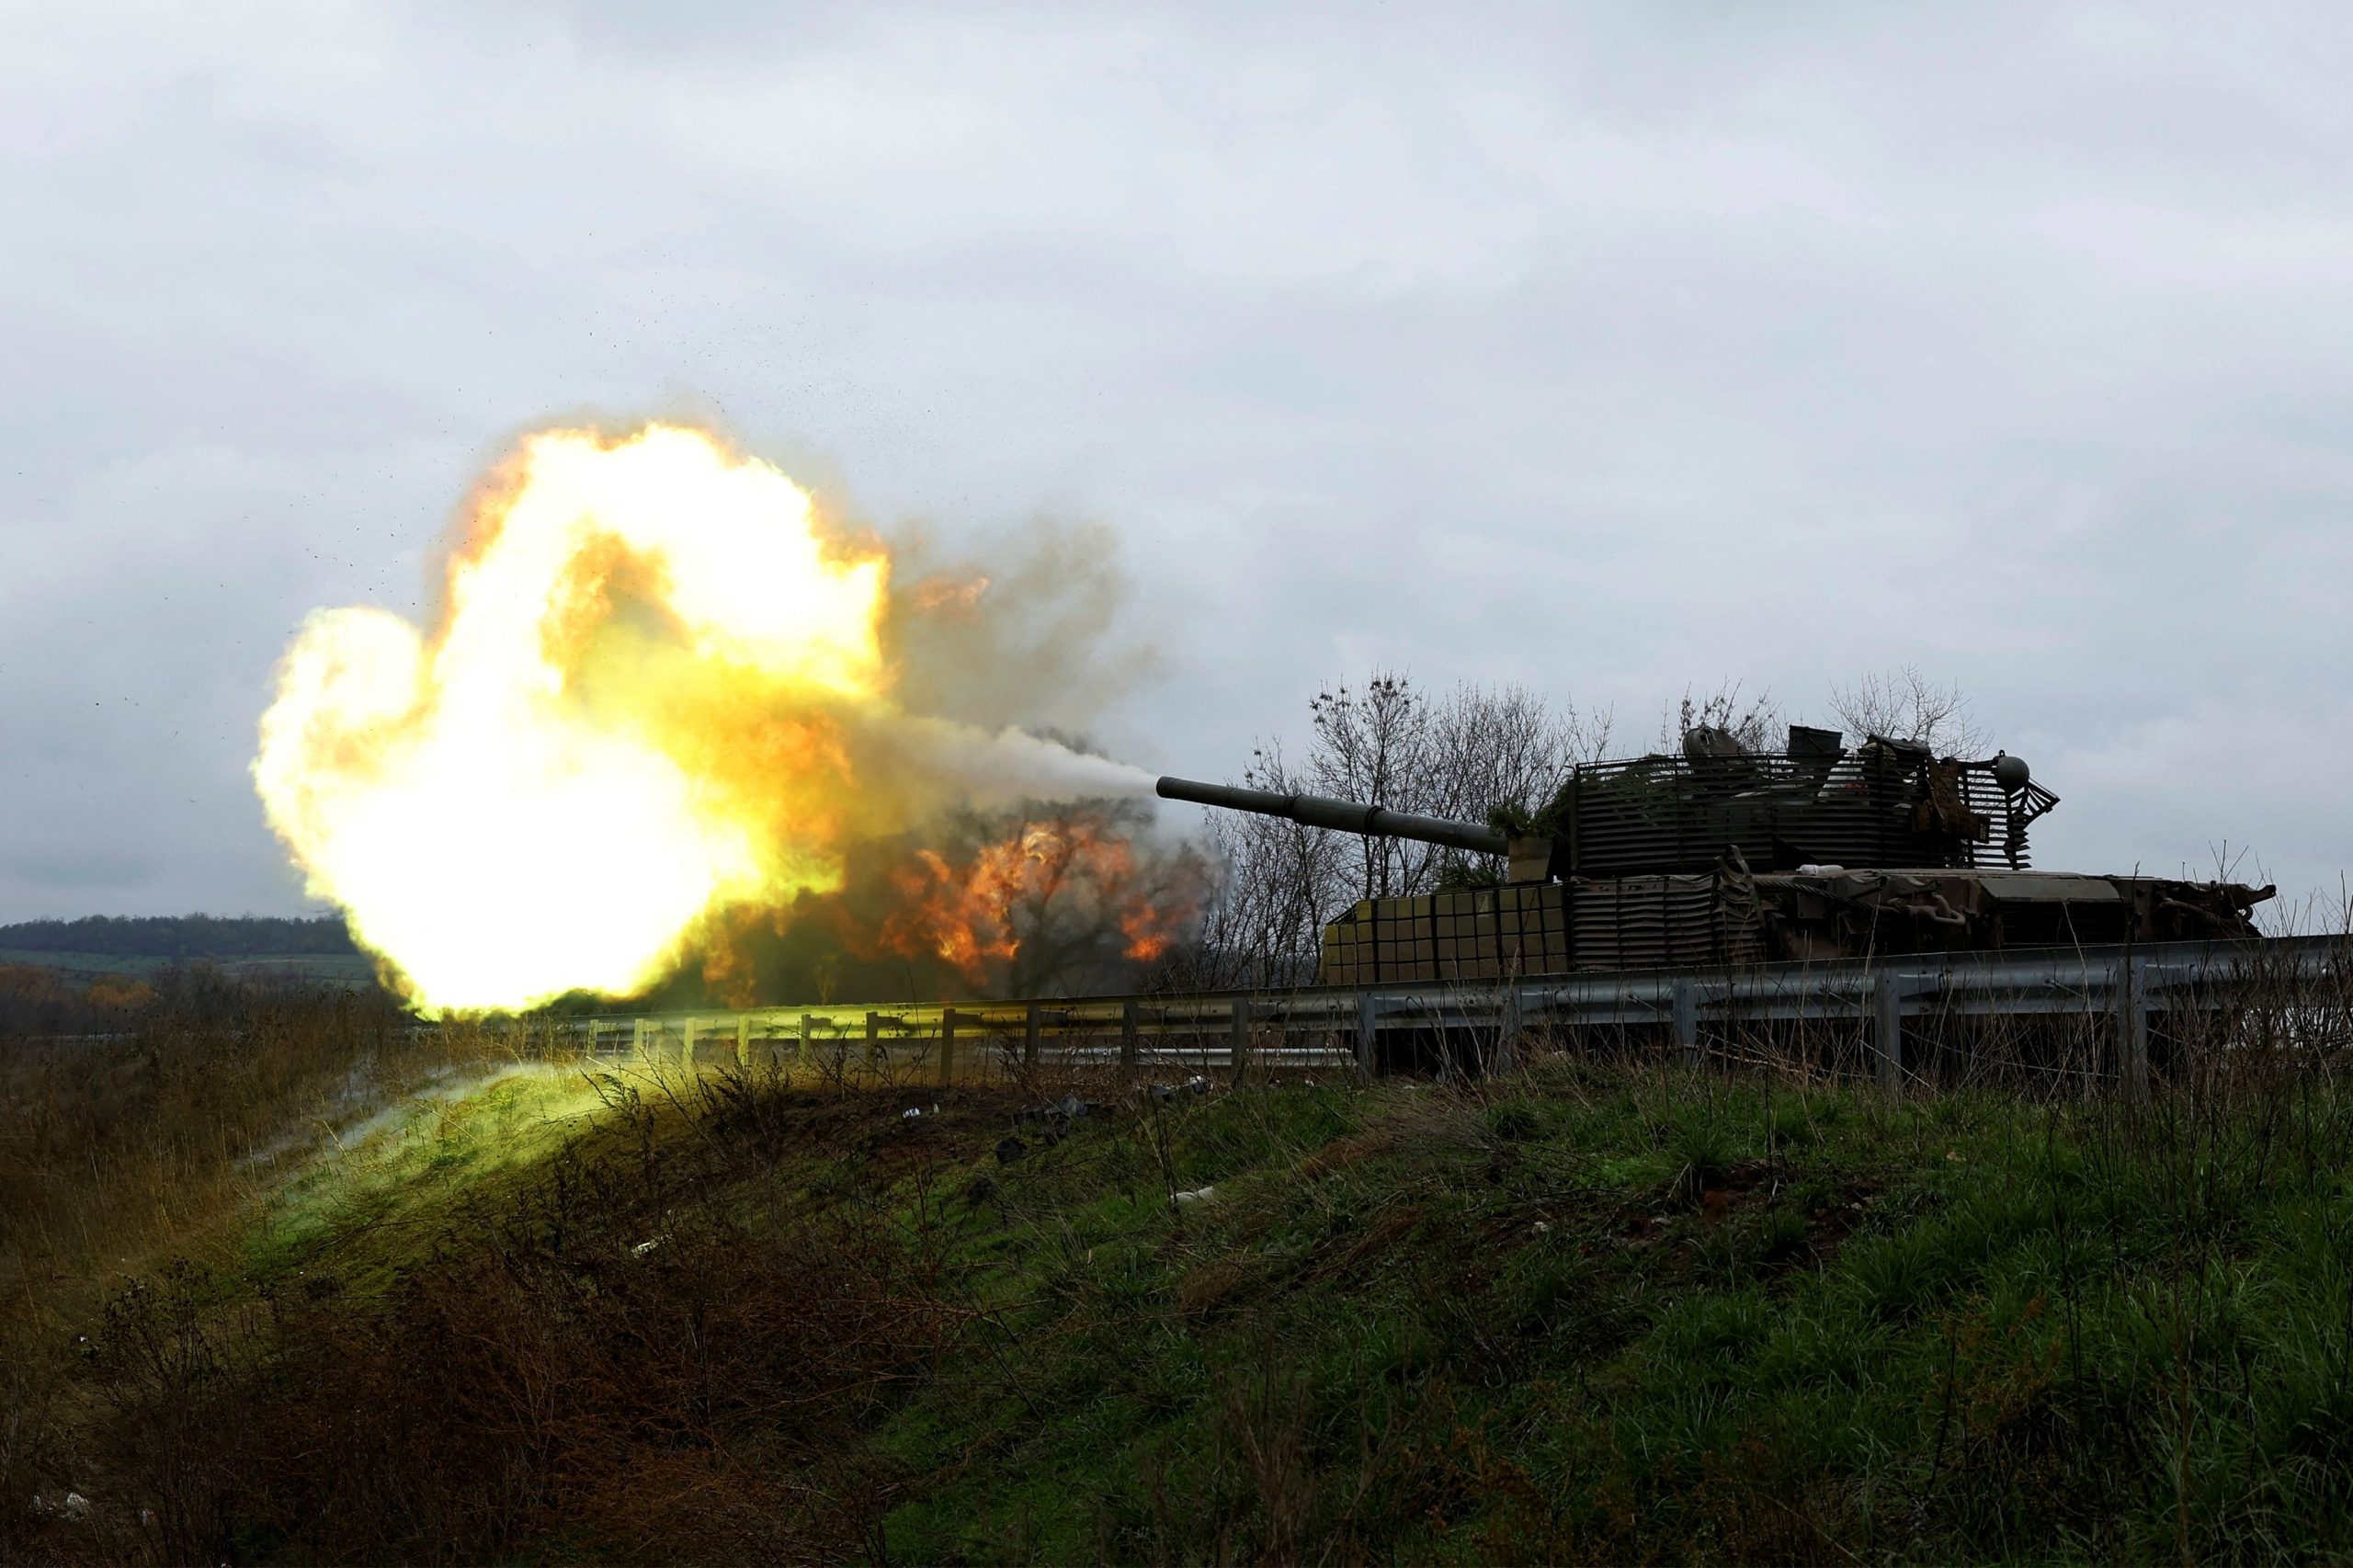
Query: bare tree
[[1754, 722], [1504, 750], [1282, 881], [1903, 705], [1508, 746], [1374, 743], [1463, 755]]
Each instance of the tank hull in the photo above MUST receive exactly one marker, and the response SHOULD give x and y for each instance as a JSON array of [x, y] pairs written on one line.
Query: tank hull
[[1731, 916]]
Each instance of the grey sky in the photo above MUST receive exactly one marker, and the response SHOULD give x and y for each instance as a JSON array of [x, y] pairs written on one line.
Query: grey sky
[[1609, 349]]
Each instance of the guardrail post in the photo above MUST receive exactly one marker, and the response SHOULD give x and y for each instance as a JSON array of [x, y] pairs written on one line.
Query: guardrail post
[[1238, 1023], [1887, 1034], [637, 1037], [947, 1046], [1686, 1003], [1367, 1036], [801, 1046], [743, 1041], [873, 1039], [1506, 1058], [687, 1046], [1029, 1031], [1128, 1014], [2132, 1027]]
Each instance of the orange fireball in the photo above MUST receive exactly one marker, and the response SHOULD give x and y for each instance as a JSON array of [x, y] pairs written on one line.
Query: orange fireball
[[1070, 869], [629, 712]]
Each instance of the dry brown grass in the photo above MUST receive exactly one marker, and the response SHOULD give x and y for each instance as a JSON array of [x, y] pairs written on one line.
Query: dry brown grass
[[155, 1142]]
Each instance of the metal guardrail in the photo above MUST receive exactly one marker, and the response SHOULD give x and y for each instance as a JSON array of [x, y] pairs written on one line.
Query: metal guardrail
[[1343, 1027]]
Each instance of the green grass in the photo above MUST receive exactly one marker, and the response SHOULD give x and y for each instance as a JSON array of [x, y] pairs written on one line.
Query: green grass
[[1592, 1314], [386, 1190], [1657, 1316]]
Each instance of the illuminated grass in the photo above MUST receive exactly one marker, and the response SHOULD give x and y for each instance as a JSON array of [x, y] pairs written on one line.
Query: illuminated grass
[[392, 1177]]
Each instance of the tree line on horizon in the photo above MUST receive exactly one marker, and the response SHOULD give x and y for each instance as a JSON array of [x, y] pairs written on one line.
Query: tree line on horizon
[[182, 936]]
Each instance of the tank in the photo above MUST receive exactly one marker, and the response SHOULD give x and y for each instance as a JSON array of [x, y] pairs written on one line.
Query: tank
[[1722, 854]]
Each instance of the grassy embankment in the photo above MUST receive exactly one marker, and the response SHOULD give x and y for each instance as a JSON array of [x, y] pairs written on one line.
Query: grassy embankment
[[1597, 1313]]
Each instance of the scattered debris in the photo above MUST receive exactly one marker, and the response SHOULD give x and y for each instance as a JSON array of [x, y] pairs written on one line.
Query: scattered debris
[[1543, 1228], [910, 1113], [645, 1247], [1054, 1120], [1196, 1084], [1196, 1195], [73, 1506], [1009, 1150]]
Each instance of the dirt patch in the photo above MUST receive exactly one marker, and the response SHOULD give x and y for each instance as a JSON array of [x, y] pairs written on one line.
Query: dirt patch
[[1343, 1152], [1359, 1250], [872, 1125], [1680, 1212], [1223, 1283], [1828, 1227]]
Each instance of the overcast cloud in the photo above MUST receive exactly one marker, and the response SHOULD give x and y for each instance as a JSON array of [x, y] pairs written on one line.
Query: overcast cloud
[[1607, 349]]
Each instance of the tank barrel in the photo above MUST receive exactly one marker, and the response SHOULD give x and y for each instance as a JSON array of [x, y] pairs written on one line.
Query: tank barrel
[[1346, 817]]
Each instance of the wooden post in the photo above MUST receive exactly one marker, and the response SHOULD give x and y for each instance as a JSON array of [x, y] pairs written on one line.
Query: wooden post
[[743, 1039], [1367, 1036], [686, 1045], [1239, 1023], [637, 1037], [1029, 1022], [800, 1046], [1129, 1013], [947, 1046], [873, 1039]]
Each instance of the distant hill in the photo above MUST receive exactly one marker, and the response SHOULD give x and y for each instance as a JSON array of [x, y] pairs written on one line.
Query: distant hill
[[183, 937]]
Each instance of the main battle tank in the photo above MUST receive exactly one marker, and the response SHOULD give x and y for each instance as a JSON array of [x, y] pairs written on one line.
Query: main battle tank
[[1722, 854]]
